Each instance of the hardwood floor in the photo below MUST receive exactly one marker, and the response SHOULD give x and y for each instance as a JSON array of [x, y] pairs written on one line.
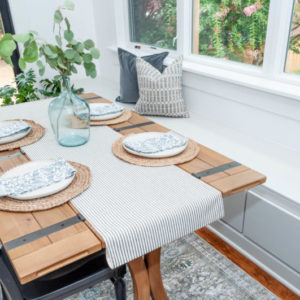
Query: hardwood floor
[[247, 265]]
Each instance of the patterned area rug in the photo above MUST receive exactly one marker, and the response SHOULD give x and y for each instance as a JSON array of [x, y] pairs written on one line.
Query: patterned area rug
[[193, 270]]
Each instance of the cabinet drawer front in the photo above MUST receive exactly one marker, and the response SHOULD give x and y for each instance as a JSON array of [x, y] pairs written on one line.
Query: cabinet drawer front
[[274, 229], [234, 210]]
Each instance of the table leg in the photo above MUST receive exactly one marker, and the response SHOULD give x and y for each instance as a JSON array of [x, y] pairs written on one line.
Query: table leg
[[157, 289], [140, 279], [146, 277]]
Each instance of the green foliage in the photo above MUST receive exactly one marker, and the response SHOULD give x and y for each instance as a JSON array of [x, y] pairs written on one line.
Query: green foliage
[[52, 88], [294, 35], [154, 22], [230, 29], [26, 87], [62, 57], [6, 94]]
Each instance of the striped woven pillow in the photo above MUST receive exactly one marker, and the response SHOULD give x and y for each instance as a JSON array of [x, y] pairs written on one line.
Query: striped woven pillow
[[160, 93]]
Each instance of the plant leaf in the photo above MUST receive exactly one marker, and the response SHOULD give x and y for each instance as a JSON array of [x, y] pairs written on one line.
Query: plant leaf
[[95, 52], [7, 59], [68, 35], [73, 69], [49, 52], [79, 47], [7, 47], [90, 69], [22, 64], [58, 17], [67, 23], [61, 64], [69, 5], [21, 38], [41, 67], [88, 44], [58, 40], [87, 58], [31, 52], [69, 54]]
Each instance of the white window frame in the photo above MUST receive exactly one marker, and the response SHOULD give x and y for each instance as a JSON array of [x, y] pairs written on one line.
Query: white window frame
[[270, 77]]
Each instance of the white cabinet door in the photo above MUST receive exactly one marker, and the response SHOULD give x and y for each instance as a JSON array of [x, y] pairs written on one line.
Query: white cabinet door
[[234, 210], [274, 229]]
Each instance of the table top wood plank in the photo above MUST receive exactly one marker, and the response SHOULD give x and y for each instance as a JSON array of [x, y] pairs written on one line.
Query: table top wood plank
[[55, 215], [30, 266], [15, 225], [212, 157], [238, 182], [195, 165]]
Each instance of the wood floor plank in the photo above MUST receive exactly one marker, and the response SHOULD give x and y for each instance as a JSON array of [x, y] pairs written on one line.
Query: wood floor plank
[[272, 284]]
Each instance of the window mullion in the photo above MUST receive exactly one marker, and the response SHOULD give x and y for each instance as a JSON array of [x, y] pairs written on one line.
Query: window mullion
[[277, 37], [184, 26], [122, 22]]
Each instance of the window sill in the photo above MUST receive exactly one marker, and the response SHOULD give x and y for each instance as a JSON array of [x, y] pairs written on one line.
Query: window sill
[[252, 79]]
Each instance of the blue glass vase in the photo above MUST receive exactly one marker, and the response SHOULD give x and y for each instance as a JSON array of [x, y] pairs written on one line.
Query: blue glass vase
[[69, 117]]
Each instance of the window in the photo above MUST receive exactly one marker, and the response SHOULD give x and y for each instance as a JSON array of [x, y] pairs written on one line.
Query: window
[[231, 29], [293, 52], [153, 22]]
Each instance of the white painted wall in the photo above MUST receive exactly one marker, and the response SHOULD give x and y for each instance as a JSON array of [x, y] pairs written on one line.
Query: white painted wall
[[38, 15]]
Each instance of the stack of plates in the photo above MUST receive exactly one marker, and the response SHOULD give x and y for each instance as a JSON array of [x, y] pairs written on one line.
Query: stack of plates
[[15, 130], [155, 144], [105, 111]]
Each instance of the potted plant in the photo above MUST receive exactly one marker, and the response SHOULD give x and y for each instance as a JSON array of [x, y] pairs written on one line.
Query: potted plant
[[69, 114]]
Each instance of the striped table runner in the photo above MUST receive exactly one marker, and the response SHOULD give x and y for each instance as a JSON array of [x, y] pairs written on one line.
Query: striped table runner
[[135, 209]]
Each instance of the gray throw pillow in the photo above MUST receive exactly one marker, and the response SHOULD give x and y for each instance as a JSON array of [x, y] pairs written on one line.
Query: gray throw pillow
[[129, 91], [160, 93]]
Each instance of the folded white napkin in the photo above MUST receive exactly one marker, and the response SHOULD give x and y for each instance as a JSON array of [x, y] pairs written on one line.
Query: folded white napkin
[[144, 144], [13, 128], [57, 171], [106, 109]]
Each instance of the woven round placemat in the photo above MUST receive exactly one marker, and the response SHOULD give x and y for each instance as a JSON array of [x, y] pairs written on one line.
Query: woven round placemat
[[80, 183], [126, 115], [190, 152], [37, 131]]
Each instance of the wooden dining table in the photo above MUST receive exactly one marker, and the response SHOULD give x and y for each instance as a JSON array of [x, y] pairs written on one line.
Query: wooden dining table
[[76, 239]]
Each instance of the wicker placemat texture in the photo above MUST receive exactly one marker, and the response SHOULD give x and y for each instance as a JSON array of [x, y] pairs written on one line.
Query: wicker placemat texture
[[190, 152], [80, 183], [37, 131], [126, 115]]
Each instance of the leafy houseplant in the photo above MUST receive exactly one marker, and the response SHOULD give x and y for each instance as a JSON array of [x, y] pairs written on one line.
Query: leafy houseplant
[[69, 114], [26, 89], [7, 93], [52, 88]]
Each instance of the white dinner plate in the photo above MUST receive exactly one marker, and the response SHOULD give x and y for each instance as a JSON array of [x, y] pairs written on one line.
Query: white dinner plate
[[161, 154], [43, 192], [107, 116], [14, 137]]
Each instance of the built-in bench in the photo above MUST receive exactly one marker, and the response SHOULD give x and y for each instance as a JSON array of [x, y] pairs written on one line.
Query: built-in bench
[[263, 223]]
